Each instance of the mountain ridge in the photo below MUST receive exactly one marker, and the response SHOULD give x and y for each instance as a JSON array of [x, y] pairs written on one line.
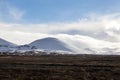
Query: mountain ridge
[[5, 42]]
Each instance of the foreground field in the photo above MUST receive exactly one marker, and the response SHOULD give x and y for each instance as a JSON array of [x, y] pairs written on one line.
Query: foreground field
[[60, 67]]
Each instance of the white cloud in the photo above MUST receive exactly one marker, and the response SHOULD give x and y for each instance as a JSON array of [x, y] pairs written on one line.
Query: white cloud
[[10, 12], [106, 26], [21, 37], [76, 41], [16, 13]]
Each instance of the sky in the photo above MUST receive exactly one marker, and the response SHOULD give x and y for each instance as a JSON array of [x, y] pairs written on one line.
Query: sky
[[47, 11], [93, 22]]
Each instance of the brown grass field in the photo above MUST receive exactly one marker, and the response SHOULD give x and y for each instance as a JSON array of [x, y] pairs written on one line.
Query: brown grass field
[[60, 67]]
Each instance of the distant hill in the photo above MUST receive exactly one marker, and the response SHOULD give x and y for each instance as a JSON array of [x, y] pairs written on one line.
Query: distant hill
[[50, 43]]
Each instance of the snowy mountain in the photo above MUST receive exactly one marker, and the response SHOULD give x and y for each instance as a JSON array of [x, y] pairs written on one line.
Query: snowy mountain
[[4, 42], [6, 46], [50, 44]]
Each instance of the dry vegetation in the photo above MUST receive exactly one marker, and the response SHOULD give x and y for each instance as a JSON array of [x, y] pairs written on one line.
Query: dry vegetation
[[60, 67]]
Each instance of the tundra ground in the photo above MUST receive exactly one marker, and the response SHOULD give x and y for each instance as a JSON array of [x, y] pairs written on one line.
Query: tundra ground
[[60, 67]]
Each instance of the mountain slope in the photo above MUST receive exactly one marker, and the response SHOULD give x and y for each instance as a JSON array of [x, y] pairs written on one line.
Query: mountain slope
[[4, 42], [6, 46], [50, 44]]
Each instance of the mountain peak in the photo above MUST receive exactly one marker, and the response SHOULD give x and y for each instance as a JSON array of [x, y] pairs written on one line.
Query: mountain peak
[[49, 38], [50, 43]]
